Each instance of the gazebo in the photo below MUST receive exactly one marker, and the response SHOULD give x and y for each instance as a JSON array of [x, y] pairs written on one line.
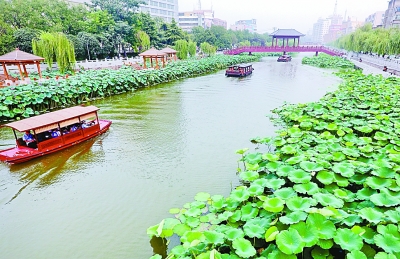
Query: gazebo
[[286, 34], [20, 59], [153, 54], [170, 52]]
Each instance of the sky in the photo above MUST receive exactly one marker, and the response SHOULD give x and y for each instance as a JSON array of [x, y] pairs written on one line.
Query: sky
[[285, 14]]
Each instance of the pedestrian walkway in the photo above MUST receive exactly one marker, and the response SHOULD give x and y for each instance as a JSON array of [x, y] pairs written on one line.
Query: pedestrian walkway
[[369, 68]]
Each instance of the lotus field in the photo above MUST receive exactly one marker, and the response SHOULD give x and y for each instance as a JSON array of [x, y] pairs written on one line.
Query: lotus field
[[32, 99], [326, 61], [329, 186]]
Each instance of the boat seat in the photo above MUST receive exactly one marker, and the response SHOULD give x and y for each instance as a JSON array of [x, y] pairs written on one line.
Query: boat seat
[[21, 142]]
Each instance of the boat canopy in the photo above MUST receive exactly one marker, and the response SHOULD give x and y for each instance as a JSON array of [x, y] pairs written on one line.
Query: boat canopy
[[241, 65], [51, 120]]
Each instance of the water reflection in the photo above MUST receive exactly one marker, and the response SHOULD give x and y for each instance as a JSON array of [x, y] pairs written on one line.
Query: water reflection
[[160, 246], [49, 169]]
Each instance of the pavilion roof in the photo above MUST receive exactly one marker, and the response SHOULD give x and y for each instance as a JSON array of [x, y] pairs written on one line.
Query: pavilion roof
[[19, 56], [286, 32], [169, 50], [153, 53]]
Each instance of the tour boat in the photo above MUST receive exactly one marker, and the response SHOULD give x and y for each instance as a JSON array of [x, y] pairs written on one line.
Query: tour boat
[[53, 131], [239, 70], [284, 58]]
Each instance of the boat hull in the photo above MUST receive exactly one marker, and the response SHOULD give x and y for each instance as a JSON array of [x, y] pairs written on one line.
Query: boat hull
[[22, 154], [237, 74]]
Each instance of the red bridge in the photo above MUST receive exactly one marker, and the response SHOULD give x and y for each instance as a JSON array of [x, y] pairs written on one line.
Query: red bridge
[[284, 49]]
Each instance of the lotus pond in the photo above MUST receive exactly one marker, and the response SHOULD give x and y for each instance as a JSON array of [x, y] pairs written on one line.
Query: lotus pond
[[326, 186], [166, 144]]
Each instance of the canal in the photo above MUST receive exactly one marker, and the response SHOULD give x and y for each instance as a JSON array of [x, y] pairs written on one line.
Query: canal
[[166, 144]]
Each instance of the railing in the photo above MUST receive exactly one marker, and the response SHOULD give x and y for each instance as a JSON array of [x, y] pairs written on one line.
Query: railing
[[323, 49]]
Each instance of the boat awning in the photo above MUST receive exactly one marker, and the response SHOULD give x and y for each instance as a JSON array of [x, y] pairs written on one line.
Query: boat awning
[[52, 119]]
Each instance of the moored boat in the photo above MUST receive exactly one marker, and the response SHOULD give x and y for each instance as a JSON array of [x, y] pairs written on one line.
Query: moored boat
[[284, 58], [239, 70], [51, 132]]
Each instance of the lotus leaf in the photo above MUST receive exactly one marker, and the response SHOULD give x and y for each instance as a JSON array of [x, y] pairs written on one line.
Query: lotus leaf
[[384, 172], [179, 250], [300, 203], [388, 243], [295, 160], [293, 218], [326, 177], [306, 188], [214, 237], [371, 215], [364, 129], [240, 195], [275, 184], [243, 248], [273, 204], [191, 236], [285, 193], [351, 220], [255, 190], [338, 156], [271, 157], [356, 255], [233, 233], [345, 169], [237, 215], [365, 193], [325, 228], [193, 222], [249, 176], [284, 170], [348, 240], [289, 149], [381, 136], [326, 199], [272, 166], [290, 242], [277, 254], [253, 230], [248, 212], [393, 215], [384, 199], [325, 243], [382, 255], [299, 176], [310, 166], [341, 181], [202, 196]]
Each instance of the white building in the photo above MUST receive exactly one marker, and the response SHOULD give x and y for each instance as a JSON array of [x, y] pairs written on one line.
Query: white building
[[320, 29], [376, 19], [202, 18], [166, 9]]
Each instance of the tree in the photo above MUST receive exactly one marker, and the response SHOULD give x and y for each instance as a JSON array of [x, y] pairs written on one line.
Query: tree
[[174, 33], [55, 46], [98, 22], [207, 49], [182, 47], [192, 46], [23, 38], [143, 40], [121, 10], [144, 22]]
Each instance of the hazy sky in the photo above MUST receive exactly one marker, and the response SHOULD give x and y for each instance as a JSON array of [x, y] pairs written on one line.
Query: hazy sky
[[285, 14]]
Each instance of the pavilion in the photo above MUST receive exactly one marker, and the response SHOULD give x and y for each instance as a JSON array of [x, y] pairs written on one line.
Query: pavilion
[[20, 59], [286, 34], [153, 54], [170, 52]]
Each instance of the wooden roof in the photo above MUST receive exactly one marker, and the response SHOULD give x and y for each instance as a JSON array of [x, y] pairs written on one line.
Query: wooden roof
[[286, 33], [50, 118], [168, 50], [153, 53], [19, 56]]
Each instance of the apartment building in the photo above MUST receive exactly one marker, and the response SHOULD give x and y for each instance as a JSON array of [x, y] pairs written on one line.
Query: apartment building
[[392, 14], [165, 9], [376, 19], [202, 18], [242, 25]]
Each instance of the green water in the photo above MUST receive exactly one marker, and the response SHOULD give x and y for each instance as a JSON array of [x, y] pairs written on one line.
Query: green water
[[166, 144]]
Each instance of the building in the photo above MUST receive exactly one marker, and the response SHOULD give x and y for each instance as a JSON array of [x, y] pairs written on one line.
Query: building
[[203, 18], [242, 25], [320, 30], [350, 25], [165, 9], [392, 14], [376, 19]]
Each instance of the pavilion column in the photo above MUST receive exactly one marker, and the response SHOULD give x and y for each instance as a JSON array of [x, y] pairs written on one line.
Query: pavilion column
[[5, 71], [38, 68], [157, 67], [151, 61], [144, 62], [298, 42], [273, 41], [25, 72], [276, 42], [163, 61], [20, 71]]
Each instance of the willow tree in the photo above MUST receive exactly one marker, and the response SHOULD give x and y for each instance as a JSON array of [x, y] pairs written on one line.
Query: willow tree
[[182, 47], [208, 49], [143, 40], [55, 46], [192, 48]]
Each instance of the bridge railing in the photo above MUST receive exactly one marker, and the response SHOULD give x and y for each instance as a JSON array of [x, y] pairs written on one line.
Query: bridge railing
[[283, 49]]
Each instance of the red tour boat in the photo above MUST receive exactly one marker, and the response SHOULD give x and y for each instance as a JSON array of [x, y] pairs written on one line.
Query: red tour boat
[[239, 70], [54, 131]]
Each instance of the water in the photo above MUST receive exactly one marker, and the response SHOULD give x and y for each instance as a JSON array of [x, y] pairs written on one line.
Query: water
[[166, 144]]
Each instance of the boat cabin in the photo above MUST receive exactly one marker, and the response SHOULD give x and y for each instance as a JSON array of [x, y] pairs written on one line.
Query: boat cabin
[[239, 70], [50, 132]]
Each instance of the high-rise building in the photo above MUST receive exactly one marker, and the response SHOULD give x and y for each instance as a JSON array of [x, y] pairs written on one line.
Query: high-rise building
[[165, 9], [202, 18], [376, 19], [320, 30], [392, 14], [242, 25]]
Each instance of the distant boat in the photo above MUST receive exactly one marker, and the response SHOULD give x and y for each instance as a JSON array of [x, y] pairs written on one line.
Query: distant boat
[[54, 131], [239, 70], [285, 58]]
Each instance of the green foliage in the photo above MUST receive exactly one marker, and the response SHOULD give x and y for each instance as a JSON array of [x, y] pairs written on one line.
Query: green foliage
[[55, 46], [23, 38], [326, 61], [207, 49], [143, 40], [121, 10], [192, 48], [330, 185], [182, 47]]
